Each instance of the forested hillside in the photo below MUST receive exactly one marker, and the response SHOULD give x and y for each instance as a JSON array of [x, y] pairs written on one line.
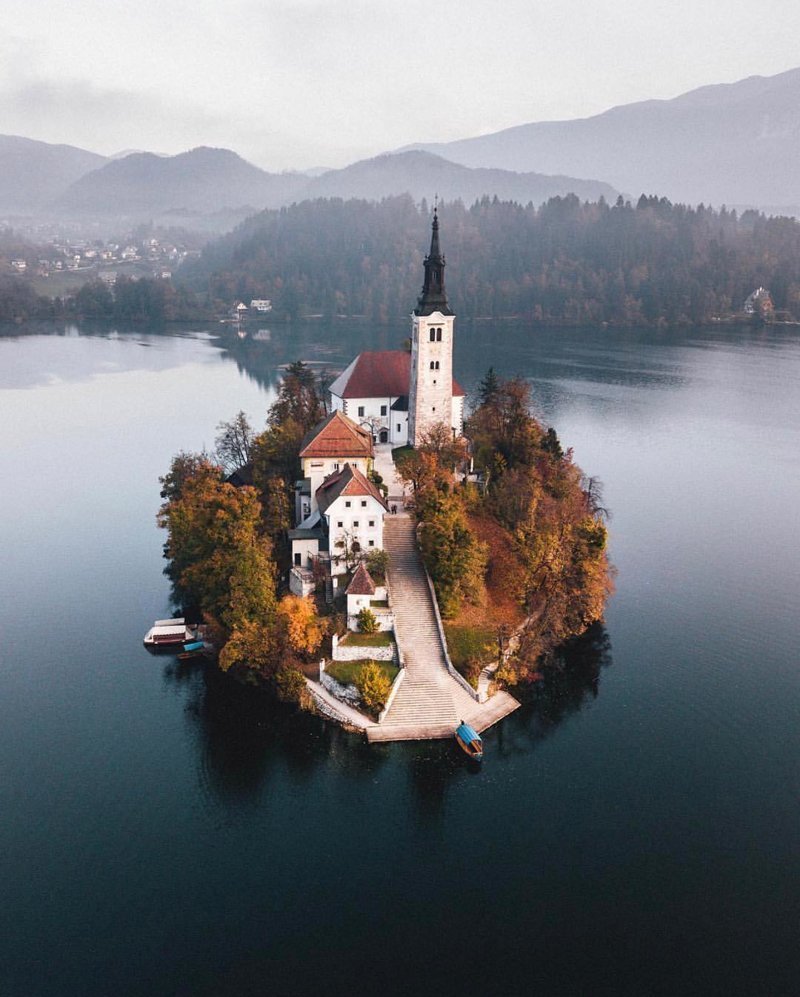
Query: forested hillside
[[568, 262]]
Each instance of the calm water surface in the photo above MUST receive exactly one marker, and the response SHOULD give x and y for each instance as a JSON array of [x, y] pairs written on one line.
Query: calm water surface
[[635, 827]]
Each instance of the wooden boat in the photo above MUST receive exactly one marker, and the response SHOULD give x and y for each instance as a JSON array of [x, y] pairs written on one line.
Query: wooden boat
[[168, 633], [469, 740]]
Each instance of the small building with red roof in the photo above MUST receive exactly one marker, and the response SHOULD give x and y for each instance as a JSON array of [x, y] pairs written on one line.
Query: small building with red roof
[[347, 522], [331, 444]]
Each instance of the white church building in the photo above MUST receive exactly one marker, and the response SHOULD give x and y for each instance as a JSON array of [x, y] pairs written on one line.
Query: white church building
[[397, 395]]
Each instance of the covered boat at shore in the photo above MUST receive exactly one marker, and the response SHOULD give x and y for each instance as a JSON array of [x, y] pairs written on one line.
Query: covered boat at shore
[[469, 740], [168, 633]]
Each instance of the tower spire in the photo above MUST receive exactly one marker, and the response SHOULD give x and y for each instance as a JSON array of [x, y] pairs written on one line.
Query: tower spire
[[433, 297]]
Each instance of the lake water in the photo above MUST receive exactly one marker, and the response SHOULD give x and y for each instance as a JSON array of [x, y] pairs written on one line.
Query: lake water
[[635, 827]]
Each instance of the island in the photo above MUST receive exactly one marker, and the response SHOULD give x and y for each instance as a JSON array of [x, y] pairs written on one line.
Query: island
[[382, 553]]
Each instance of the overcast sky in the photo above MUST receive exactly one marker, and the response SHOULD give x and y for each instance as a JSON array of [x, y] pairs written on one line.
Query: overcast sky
[[301, 83]]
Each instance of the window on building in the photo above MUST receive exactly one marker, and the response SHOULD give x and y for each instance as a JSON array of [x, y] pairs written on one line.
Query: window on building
[[372, 523], [433, 365], [433, 335], [398, 427], [434, 408], [437, 364], [372, 543], [438, 335], [384, 410], [355, 524], [434, 380], [340, 524], [316, 463], [361, 411], [336, 467], [347, 504], [363, 503]]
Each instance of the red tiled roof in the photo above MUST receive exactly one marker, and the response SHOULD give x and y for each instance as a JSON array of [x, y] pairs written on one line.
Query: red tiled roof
[[348, 481], [337, 436], [379, 374], [362, 583]]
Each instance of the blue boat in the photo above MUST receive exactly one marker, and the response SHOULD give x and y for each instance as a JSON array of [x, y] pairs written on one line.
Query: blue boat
[[193, 650], [469, 741]]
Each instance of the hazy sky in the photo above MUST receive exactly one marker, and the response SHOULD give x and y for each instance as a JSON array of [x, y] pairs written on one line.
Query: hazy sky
[[300, 83]]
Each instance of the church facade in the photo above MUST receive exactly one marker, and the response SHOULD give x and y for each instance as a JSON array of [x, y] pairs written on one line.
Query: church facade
[[396, 395]]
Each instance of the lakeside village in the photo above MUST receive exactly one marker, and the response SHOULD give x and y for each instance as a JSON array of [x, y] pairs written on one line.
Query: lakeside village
[[431, 562]]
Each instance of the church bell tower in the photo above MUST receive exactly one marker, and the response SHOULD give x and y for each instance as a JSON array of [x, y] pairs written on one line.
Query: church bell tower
[[430, 399]]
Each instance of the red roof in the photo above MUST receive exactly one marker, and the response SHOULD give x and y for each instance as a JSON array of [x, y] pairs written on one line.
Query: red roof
[[337, 436], [379, 374], [362, 583], [348, 481]]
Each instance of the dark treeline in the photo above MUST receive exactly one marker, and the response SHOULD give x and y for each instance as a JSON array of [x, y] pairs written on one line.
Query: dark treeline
[[143, 299], [565, 262]]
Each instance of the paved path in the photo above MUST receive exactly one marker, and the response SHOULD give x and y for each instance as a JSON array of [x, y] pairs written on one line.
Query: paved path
[[430, 702]]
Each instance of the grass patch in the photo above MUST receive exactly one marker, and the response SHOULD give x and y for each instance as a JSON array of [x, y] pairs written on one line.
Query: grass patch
[[381, 639], [400, 452], [470, 649], [346, 672]]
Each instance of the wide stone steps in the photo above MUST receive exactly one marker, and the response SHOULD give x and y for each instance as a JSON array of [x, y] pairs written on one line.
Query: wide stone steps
[[430, 702]]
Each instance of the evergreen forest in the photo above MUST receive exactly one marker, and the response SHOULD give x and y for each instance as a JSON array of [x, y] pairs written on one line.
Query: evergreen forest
[[651, 263]]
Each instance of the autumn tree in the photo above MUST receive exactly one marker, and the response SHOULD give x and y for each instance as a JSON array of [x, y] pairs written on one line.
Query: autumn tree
[[302, 624], [234, 442]]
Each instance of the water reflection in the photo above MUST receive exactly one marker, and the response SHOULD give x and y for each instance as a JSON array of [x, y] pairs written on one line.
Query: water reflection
[[245, 740]]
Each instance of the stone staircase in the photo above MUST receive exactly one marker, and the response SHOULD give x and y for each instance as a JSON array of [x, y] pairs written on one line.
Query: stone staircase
[[429, 703]]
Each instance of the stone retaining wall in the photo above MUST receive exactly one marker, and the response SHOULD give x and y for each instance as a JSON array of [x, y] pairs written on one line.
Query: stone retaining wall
[[347, 693], [348, 653]]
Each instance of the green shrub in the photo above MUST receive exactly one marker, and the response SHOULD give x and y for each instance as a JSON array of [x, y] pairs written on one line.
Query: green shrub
[[367, 623], [374, 685]]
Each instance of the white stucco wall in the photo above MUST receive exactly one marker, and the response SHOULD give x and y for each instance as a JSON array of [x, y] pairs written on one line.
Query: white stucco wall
[[317, 469], [359, 516]]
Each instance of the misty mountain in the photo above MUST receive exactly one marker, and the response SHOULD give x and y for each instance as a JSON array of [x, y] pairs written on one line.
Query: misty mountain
[[32, 173], [422, 174], [736, 144], [203, 180]]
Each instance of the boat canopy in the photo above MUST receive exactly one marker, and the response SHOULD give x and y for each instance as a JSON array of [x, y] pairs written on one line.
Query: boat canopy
[[467, 733], [178, 621]]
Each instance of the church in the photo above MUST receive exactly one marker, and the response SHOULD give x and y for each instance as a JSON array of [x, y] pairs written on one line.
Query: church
[[392, 397], [396, 395]]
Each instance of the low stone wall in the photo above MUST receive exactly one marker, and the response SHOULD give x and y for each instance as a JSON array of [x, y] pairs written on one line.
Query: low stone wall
[[327, 710], [346, 693], [398, 681], [400, 660], [348, 653]]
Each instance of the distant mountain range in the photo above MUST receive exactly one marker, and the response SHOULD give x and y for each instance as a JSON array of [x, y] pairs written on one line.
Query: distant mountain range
[[423, 174], [32, 173], [207, 182], [734, 144], [203, 180]]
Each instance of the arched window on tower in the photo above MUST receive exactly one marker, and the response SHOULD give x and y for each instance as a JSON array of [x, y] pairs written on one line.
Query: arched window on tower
[[437, 365], [433, 365], [438, 335], [433, 335]]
